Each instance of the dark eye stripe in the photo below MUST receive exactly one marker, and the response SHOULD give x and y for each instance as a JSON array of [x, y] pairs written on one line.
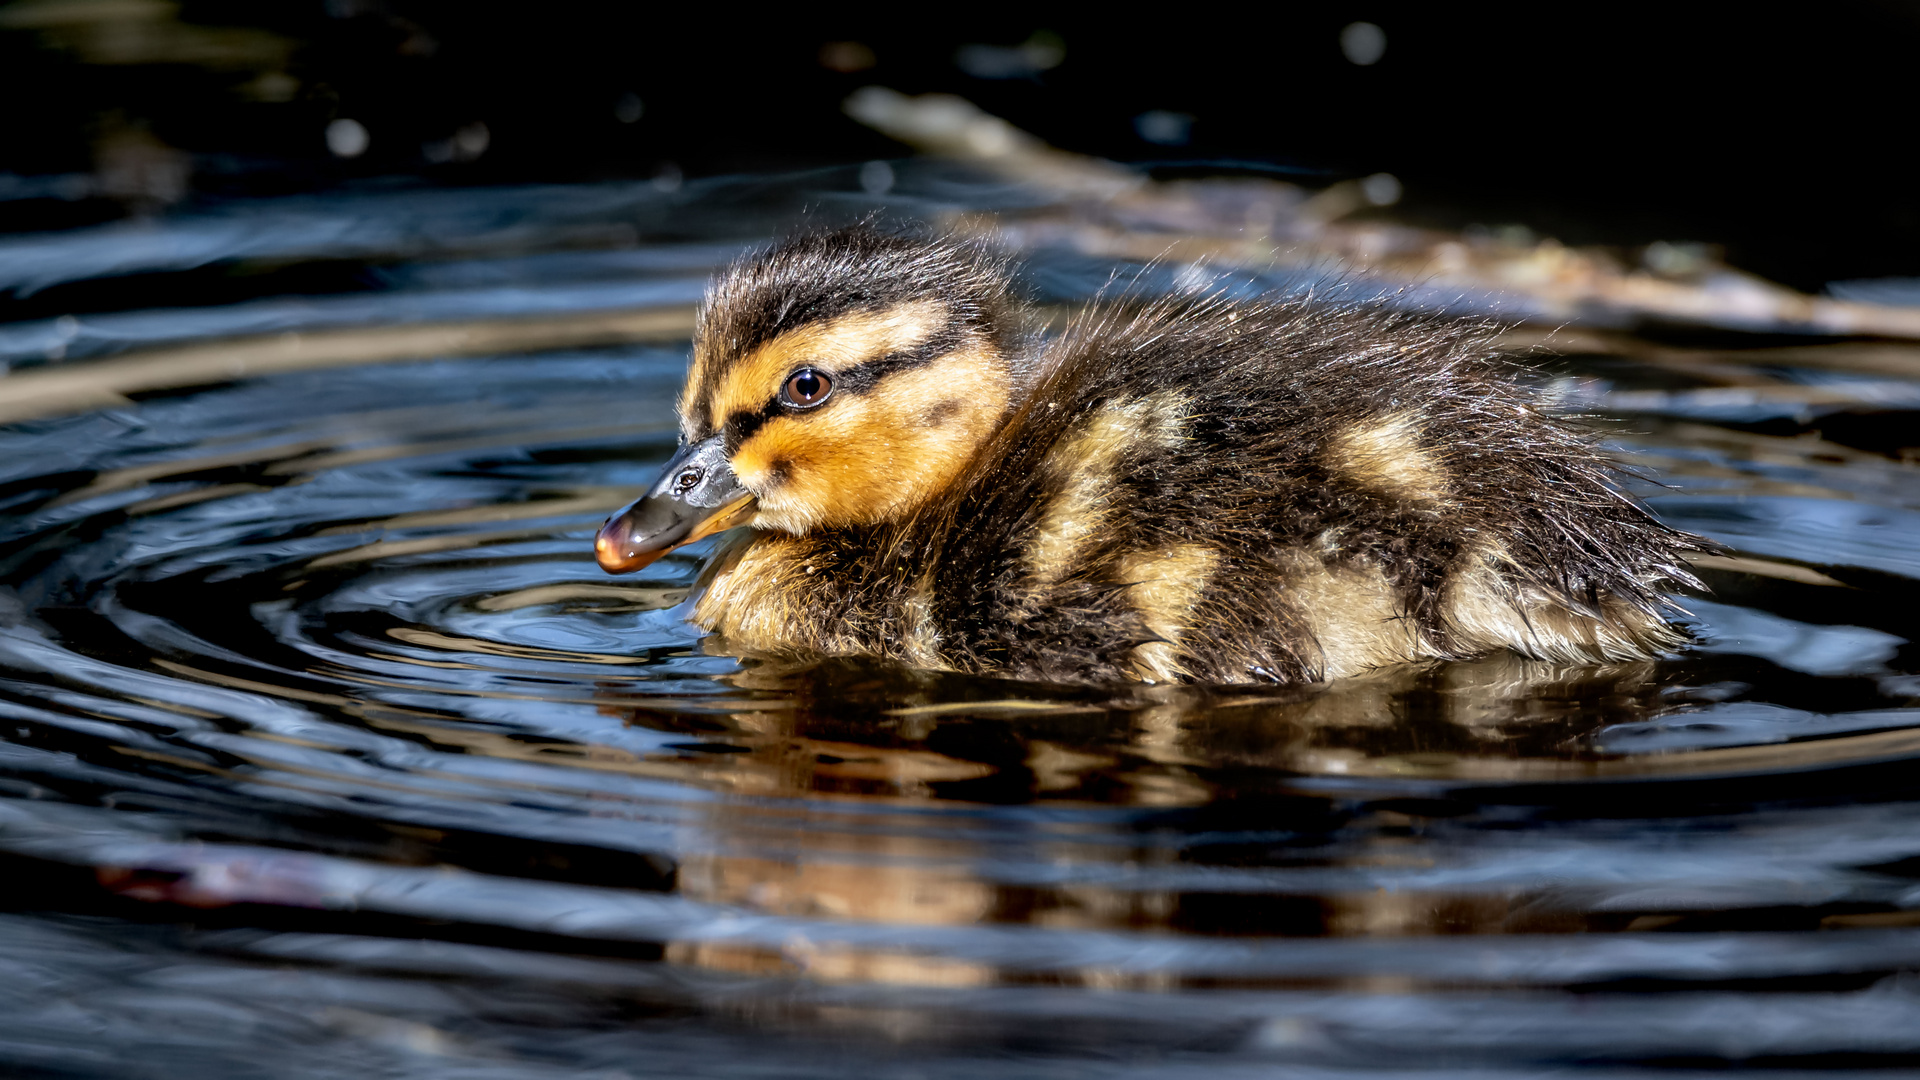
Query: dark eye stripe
[[938, 343], [741, 425], [858, 379]]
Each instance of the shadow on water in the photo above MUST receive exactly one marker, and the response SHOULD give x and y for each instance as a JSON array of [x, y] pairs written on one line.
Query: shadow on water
[[329, 751]]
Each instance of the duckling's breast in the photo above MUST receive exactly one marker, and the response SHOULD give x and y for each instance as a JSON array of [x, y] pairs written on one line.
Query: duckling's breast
[[772, 593]]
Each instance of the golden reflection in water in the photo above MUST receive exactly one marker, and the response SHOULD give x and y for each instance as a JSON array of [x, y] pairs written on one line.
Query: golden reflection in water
[[876, 730], [859, 733], [822, 756]]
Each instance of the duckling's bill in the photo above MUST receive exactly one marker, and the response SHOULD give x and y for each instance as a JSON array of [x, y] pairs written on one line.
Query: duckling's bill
[[696, 496]]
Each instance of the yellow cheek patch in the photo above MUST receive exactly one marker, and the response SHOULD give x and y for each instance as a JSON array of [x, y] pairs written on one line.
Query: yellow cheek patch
[[867, 458], [832, 346]]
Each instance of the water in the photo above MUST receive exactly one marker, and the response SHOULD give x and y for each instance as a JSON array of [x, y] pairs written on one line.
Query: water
[[328, 751]]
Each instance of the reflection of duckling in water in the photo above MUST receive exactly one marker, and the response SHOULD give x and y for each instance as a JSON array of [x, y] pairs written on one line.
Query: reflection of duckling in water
[[1190, 488]]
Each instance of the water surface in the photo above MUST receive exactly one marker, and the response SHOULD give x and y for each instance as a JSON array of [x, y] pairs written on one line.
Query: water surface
[[328, 751]]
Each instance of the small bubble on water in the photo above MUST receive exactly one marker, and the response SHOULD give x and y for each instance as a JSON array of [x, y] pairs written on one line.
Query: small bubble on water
[[876, 178], [1164, 128], [471, 141], [1381, 189], [1363, 43], [347, 138]]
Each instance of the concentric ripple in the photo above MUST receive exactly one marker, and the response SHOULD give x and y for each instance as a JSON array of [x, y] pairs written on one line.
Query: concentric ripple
[[326, 738]]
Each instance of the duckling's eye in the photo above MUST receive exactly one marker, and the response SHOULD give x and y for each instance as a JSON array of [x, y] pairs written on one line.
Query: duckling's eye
[[806, 388]]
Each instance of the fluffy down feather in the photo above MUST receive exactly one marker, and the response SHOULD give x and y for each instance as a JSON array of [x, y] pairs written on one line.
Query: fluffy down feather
[[1191, 487]]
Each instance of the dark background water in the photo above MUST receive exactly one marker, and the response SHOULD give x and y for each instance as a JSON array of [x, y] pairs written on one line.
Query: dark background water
[[1780, 135], [326, 750]]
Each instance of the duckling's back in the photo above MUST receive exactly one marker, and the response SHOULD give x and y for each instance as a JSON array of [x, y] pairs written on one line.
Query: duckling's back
[[1223, 491]]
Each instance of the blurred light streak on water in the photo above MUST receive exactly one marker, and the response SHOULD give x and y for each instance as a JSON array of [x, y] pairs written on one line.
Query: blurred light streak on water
[[329, 752]]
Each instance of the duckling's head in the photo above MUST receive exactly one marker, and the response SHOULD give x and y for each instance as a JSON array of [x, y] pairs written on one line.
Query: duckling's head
[[841, 379]]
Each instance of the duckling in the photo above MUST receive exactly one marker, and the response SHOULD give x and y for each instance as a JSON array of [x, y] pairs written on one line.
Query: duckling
[[1188, 488]]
